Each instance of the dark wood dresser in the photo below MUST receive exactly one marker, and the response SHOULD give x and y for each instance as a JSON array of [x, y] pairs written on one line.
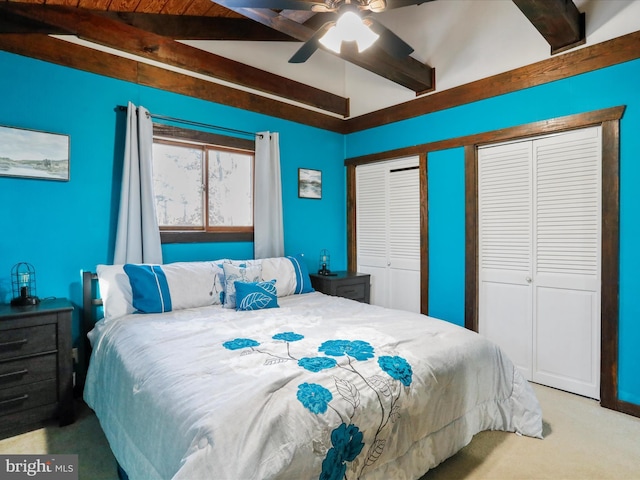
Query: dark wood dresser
[[353, 285], [36, 366]]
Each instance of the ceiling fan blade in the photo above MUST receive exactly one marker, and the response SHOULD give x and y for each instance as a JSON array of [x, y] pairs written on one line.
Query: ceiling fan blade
[[310, 46], [276, 4], [389, 41]]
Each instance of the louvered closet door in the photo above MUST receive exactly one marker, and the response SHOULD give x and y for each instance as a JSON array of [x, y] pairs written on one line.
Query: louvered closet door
[[371, 227], [404, 238], [566, 294], [505, 250], [388, 231], [539, 256]]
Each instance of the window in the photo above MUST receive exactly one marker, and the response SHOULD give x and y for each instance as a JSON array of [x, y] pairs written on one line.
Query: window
[[203, 185]]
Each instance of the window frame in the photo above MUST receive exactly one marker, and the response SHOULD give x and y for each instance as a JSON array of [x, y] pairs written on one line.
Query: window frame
[[177, 135]]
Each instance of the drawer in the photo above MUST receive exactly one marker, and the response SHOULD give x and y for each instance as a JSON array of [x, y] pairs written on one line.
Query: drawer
[[354, 291], [18, 342], [26, 420], [16, 399], [28, 370]]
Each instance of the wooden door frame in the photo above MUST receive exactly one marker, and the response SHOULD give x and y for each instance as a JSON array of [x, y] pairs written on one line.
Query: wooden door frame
[[609, 119], [352, 244], [519, 162]]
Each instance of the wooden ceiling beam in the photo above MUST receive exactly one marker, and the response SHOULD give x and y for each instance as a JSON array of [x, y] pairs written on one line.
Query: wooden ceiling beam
[[52, 50], [408, 72], [120, 36], [189, 27], [10, 23], [298, 16], [602, 55], [558, 21]]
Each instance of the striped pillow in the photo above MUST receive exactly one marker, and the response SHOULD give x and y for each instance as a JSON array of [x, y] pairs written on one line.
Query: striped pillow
[[303, 282], [174, 286], [149, 287]]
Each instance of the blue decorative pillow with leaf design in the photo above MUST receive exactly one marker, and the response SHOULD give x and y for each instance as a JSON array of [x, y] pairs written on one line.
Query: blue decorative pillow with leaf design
[[256, 295], [238, 273]]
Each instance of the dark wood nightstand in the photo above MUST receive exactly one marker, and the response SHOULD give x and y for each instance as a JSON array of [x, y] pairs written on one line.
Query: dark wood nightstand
[[353, 285], [36, 366]]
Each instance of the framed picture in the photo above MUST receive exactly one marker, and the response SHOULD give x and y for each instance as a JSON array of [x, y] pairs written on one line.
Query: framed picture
[[309, 183], [33, 154]]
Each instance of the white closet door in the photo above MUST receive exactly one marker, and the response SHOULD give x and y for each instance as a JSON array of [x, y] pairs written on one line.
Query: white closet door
[[505, 250], [404, 238], [371, 227], [388, 231], [539, 256], [566, 297]]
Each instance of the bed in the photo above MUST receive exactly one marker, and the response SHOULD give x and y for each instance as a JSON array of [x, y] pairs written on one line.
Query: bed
[[288, 383]]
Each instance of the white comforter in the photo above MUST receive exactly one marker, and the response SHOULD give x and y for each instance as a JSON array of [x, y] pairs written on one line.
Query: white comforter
[[344, 390]]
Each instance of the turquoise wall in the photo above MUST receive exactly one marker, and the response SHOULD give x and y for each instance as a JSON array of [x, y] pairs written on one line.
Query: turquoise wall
[[608, 87], [446, 202], [62, 228]]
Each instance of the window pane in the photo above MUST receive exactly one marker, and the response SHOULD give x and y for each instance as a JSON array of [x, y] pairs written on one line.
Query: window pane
[[177, 177], [230, 189]]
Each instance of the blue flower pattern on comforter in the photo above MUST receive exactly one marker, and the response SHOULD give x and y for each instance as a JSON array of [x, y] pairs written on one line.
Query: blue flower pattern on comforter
[[347, 441]]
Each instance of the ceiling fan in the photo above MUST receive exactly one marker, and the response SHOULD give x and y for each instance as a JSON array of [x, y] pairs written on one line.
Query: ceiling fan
[[354, 24]]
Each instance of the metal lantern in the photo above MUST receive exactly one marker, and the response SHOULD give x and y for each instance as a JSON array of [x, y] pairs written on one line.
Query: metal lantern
[[324, 262], [23, 285]]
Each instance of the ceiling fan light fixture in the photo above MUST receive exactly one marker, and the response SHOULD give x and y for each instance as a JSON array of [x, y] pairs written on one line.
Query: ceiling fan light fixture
[[366, 38], [377, 6], [332, 39], [349, 28]]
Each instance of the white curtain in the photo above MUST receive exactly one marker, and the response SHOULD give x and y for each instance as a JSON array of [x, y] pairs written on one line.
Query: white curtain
[[137, 235], [268, 230]]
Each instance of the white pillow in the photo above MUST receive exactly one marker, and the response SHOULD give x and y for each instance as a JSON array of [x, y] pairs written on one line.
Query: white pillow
[[280, 269], [238, 273], [194, 284], [115, 291], [290, 272], [191, 284], [245, 263]]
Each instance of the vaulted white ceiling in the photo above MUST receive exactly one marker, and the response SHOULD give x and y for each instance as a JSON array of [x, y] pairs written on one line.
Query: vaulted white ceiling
[[464, 40]]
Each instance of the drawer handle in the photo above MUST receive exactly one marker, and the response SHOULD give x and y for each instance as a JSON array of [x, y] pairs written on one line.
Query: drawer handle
[[11, 374], [349, 291], [16, 399], [14, 343]]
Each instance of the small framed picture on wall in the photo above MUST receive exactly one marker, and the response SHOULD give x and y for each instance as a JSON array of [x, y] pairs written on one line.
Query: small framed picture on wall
[[33, 154], [309, 183]]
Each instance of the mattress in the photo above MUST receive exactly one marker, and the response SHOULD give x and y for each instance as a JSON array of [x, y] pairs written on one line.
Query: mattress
[[321, 387]]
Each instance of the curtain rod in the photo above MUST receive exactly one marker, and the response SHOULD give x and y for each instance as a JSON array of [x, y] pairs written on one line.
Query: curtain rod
[[197, 124]]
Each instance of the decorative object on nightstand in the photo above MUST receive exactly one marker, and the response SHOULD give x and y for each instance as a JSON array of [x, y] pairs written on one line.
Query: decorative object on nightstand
[[23, 285], [36, 366], [353, 285], [324, 262]]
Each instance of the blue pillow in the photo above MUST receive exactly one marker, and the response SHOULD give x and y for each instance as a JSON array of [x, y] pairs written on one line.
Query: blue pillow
[[240, 273], [149, 288], [303, 282], [256, 295]]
